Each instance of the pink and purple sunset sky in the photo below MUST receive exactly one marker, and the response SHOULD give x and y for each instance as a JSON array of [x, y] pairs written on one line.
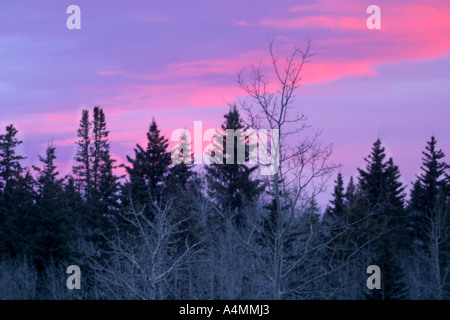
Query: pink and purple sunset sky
[[177, 60]]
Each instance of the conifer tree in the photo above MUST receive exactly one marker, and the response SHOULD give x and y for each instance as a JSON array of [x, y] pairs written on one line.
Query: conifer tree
[[94, 170], [232, 185], [380, 184], [181, 175], [183, 188], [10, 167], [15, 193], [383, 191], [73, 202], [51, 224], [430, 184], [395, 287], [429, 211], [431, 181], [351, 193], [48, 185], [394, 188], [99, 145], [105, 182], [83, 169], [72, 196], [396, 199], [335, 215], [372, 180], [311, 214], [338, 206], [149, 168], [19, 214]]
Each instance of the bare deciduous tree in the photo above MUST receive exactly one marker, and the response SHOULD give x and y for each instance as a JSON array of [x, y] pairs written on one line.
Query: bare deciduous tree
[[284, 245], [438, 232], [142, 257], [303, 168]]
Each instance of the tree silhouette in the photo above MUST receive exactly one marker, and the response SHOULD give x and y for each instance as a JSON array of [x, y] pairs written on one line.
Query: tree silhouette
[[149, 169]]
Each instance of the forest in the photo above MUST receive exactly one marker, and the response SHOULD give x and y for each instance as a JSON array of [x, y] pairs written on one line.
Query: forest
[[181, 231]]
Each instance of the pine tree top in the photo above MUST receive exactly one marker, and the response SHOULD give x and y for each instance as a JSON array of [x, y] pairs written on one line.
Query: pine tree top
[[380, 180], [338, 201], [10, 162], [432, 168]]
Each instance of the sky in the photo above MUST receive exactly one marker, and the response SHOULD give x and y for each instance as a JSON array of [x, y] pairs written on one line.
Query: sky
[[178, 61]]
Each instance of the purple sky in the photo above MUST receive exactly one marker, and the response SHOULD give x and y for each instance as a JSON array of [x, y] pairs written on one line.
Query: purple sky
[[177, 61]]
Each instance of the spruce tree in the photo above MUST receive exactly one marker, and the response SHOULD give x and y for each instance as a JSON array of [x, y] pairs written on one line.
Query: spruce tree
[[372, 188], [10, 167], [383, 193], [372, 180], [231, 185], [432, 179], [48, 185], [380, 185], [20, 212], [426, 189], [350, 194], [184, 190], [395, 287], [395, 189], [429, 209], [311, 214], [181, 175], [51, 224], [15, 193], [105, 182], [149, 169], [396, 200], [99, 145], [338, 207], [72, 198], [335, 215], [73, 202], [93, 172], [83, 169]]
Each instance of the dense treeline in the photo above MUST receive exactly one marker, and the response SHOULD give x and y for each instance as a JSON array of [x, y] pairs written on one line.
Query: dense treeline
[[223, 231], [158, 235]]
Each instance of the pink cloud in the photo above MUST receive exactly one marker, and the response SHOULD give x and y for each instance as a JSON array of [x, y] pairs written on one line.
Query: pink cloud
[[319, 72], [35, 124], [213, 96], [169, 97], [408, 32], [412, 30], [422, 31], [417, 19], [352, 23]]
